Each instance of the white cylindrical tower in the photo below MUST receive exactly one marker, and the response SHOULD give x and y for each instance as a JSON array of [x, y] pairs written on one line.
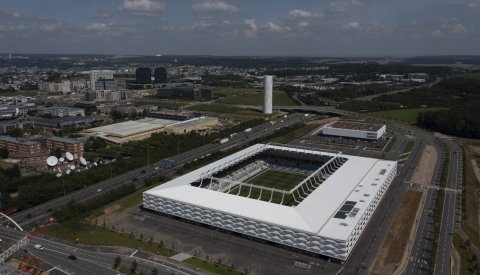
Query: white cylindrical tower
[[268, 94]]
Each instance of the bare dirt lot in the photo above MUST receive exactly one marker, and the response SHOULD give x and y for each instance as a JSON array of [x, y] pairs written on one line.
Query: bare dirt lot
[[393, 247], [424, 171]]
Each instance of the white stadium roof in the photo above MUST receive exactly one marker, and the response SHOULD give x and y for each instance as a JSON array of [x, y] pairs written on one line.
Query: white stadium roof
[[357, 180]]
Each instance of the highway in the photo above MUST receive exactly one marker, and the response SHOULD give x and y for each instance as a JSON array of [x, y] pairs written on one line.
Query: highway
[[34, 216], [442, 262]]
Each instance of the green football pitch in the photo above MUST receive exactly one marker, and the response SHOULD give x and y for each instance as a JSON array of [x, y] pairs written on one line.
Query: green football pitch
[[273, 179], [276, 179]]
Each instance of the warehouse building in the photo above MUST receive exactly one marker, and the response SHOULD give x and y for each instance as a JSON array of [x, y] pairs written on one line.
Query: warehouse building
[[356, 130], [123, 132]]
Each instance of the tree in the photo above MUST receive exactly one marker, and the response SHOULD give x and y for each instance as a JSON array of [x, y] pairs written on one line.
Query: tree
[[13, 172], [117, 262], [15, 132], [57, 152], [134, 266], [4, 153], [154, 271]]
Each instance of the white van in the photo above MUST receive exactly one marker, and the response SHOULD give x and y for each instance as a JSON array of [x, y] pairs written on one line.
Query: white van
[[39, 247]]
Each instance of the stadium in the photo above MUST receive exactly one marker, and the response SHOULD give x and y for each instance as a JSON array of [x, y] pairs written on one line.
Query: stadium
[[319, 202]]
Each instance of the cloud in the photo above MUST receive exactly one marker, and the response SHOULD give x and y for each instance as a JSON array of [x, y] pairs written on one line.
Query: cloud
[[273, 27], [459, 28], [474, 6], [301, 14], [214, 6], [99, 26], [303, 24], [143, 7], [343, 6], [352, 25], [252, 28], [437, 33]]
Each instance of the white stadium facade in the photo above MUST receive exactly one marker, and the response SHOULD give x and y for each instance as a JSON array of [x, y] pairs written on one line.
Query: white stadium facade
[[323, 213]]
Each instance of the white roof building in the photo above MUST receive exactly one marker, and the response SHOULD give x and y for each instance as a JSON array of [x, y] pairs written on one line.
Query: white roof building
[[328, 221]]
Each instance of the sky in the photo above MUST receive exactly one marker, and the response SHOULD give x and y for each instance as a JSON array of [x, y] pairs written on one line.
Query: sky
[[242, 27]]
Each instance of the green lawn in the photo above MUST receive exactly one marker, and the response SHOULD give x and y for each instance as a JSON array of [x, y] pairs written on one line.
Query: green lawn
[[83, 233], [276, 179], [405, 115], [273, 179], [161, 103], [24, 93], [212, 267], [292, 135], [251, 96], [467, 75]]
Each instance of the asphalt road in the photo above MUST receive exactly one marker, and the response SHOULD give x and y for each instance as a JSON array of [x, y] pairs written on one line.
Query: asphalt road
[[442, 262], [56, 253]]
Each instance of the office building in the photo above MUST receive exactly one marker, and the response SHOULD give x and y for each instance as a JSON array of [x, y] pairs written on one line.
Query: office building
[[99, 74], [160, 75], [143, 76]]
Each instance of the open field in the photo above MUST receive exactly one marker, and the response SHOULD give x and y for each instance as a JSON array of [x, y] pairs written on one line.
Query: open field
[[251, 96], [467, 75], [229, 111], [297, 133], [276, 179], [405, 115], [468, 261], [471, 194], [161, 103], [24, 93], [391, 253], [84, 233]]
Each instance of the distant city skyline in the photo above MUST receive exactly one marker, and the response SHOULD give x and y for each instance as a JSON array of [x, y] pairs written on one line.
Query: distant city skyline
[[217, 27]]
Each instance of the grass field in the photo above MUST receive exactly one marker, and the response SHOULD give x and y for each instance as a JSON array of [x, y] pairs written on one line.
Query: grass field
[[24, 93], [467, 75], [405, 115], [84, 233], [251, 96], [276, 179], [272, 179]]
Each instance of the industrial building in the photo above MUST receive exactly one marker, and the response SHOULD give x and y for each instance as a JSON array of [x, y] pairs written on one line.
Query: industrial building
[[356, 130], [173, 114], [123, 132], [198, 123], [331, 205], [62, 111], [21, 123], [62, 122], [72, 145]]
